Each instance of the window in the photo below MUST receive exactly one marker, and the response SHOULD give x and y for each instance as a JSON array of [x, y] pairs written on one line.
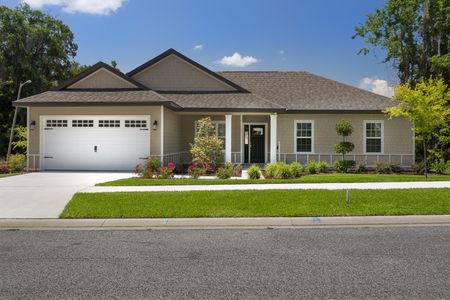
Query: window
[[56, 123], [304, 136], [82, 123], [108, 123], [373, 136], [136, 123]]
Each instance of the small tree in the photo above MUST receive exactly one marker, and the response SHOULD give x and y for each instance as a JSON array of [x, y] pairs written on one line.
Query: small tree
[[344, 129], [207, 147], [426, 106], [20, 142]]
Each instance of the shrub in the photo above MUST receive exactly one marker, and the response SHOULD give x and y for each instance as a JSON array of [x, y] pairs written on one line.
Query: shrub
[[166, 172], [149, 168], [17, 163], [270, 169], [322, 166], [283, 171], [207, 147], [419, 168], [312, 167], [254, 172], [228, 170], [387, 168], [440, 166], [3, 167], [361, 167], [296, 169], [343, 166], [197, 170]]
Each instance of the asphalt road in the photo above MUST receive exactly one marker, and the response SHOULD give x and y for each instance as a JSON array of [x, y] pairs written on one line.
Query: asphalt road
[[396, 262]]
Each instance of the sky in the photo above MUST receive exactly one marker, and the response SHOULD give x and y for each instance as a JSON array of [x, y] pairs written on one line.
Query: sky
[[247, 35]]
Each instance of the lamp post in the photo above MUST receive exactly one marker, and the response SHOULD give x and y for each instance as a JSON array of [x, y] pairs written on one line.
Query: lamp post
[[11, 136]]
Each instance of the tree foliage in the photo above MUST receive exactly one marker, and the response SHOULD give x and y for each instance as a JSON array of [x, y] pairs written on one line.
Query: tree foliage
[[415, 36], [426, 105], [344, 129], [207, 147], [34, 46]]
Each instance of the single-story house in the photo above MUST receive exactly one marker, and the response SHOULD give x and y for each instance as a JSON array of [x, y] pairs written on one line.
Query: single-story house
[[103, 119]]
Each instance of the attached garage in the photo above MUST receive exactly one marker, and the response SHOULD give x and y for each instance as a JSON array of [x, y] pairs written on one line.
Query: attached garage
[[86, 142]]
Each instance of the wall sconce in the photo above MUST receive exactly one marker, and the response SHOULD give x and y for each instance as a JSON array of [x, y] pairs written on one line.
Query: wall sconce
[[155, 125], [32, 125]]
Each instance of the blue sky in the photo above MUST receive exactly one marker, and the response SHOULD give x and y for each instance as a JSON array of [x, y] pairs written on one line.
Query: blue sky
[[307, 35]]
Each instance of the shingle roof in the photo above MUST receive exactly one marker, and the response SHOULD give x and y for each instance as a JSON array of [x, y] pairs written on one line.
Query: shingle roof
[[106, 97], [306, 91], [269, 91]]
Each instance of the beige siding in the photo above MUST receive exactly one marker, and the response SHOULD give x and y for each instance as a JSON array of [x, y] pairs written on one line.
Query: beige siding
[[398, 136], [172, 132], [102, 79], [36, 112], [175, 74]]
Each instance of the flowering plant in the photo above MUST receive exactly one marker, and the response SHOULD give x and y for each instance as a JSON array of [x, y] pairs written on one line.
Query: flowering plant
[[196, 170], [166, 171]]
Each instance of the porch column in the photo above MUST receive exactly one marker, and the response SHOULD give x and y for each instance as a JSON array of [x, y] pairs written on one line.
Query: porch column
[[228, 129], [273, 138]]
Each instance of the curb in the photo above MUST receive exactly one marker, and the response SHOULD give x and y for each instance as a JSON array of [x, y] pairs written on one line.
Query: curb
[[222, 223]]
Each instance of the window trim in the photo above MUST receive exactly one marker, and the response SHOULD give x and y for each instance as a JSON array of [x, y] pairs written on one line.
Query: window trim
[[365, 137], [312, 136]]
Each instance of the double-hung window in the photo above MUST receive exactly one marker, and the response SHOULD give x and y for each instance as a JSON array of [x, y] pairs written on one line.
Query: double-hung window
[[304, 135], [373, 136]]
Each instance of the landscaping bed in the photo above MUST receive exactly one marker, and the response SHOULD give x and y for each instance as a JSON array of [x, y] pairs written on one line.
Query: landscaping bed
[[267, 203], [318, 178]]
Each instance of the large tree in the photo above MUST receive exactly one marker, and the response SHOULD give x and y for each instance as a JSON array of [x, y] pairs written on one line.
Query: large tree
[[414, 35], [34, 46]]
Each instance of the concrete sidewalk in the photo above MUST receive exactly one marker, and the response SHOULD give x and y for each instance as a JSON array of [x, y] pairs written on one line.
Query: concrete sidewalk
[[281, 186], [212, 223]]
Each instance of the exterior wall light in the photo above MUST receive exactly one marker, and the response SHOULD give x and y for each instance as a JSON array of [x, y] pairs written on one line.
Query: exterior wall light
[[32, 125], [155, 125]]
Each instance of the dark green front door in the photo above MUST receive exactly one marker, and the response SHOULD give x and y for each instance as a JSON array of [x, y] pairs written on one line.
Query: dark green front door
[[254, 143]]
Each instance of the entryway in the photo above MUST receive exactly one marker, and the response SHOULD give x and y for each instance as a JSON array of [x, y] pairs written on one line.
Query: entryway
[[255, 140]]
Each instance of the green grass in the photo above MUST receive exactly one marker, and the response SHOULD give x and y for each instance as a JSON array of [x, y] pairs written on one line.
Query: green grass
[[8, 174], [267, 203], [321, 178]]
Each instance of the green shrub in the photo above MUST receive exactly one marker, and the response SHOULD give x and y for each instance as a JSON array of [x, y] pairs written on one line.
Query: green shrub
[[419, 168], [270, 169], [387, 168], [228, 170], [254, 172], [440, 166], [3, 167], [166, 172], [149, 168], [322, 166], [343, 166], [17, 163], [283, 171], [361, 167], [312, 167], [296, 169], [207, 147]]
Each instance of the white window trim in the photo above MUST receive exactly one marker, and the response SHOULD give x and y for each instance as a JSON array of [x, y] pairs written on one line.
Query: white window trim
[[312, 136], [365, 138]]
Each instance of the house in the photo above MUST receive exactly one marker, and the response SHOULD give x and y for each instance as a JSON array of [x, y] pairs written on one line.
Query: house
[[103, 119]]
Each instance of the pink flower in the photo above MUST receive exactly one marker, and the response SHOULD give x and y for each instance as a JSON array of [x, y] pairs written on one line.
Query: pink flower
[[171, 165]]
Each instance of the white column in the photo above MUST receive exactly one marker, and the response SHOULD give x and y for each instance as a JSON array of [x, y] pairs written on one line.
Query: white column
[[228, 119], [273, 138]]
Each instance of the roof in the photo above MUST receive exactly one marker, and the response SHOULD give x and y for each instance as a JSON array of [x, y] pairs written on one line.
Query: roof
[[255, 91], [302, 91], [95, 68], [187, 59]]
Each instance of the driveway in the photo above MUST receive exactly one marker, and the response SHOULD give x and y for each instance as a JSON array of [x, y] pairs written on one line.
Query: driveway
[[45, 194]]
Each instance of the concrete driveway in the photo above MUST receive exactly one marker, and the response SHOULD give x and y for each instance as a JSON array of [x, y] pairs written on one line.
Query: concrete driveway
[[45, 194]]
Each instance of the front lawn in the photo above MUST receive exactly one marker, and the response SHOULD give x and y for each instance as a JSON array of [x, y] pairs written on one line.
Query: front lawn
[[7, 174], [267, 203], [320, 178]]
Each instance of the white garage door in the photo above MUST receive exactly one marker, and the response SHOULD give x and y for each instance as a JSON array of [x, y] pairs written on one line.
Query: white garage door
[[94, 142]]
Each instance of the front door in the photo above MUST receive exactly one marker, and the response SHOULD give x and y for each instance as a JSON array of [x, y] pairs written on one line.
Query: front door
[[254, 143]]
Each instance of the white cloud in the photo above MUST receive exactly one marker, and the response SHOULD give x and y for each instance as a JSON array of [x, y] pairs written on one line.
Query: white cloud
[[94, 7], [281, 52], [236, 60], [377, 86], [198, 47]]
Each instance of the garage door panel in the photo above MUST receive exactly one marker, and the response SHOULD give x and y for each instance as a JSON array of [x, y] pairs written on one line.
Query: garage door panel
[[96, 148]]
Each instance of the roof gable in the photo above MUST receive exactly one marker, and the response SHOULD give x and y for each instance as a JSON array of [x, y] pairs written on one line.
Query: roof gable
[[171, 71], [100, 76]]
